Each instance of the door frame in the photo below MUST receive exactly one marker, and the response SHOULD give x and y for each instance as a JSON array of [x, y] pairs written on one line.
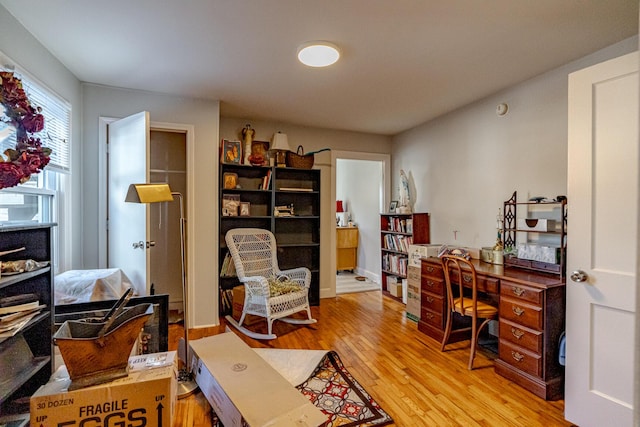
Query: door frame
[[188, 130], [385, 195]]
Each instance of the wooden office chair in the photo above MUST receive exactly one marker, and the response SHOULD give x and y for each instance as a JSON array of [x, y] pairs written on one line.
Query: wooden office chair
[[453, 267]]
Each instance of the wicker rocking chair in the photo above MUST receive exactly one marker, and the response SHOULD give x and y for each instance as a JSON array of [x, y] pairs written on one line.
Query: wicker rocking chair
[[253, 251]]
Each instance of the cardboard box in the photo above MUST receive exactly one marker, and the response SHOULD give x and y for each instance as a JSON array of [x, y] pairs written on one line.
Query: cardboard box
[[395, 289], [146, 396], [241, 386], [238, 304], [416, 252], [413, 293], [404, 291]]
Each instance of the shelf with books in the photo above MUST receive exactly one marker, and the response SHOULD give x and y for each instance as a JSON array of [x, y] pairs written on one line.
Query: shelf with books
[[28, 347], [285, 201], [397, 232]]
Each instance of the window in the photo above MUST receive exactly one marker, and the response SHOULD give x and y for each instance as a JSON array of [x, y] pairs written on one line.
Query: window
[[41, 198]]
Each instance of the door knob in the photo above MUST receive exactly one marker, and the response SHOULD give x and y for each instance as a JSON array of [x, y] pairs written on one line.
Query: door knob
[[579, 276], [142, 245]]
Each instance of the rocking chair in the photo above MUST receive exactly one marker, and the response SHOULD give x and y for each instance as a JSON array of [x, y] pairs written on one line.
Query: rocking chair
[[253, 251]]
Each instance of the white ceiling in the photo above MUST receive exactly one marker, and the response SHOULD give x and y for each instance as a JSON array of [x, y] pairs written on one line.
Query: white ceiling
[[403, 61]]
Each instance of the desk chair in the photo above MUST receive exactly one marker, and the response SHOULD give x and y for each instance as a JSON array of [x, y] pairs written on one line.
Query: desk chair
[[253, 251], [459, 303]]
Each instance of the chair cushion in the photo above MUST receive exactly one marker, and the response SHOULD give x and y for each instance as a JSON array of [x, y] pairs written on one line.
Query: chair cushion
[[485, 311], [281, 286]]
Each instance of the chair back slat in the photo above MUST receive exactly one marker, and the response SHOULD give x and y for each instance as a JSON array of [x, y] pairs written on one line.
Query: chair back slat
[[253, 251], [452, 269]]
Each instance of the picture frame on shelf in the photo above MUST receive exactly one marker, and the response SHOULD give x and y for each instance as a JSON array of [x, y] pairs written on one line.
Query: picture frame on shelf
[[230, 204], [392, 206], [231, 152], [230, 180], [259, 153], [245, 208]]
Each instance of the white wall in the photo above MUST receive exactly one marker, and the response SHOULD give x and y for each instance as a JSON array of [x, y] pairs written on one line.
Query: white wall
[[358, 184], [26, 51], [313, 139], [463, 165], [202, 227]]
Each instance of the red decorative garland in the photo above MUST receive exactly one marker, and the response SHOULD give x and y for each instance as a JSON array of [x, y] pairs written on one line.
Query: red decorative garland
[[29, 156]]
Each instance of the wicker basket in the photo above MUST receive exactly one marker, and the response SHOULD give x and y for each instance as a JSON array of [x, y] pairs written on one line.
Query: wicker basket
[[299, 160]]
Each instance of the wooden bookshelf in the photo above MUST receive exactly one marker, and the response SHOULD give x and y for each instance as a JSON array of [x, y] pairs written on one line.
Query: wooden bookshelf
[[397, 232]]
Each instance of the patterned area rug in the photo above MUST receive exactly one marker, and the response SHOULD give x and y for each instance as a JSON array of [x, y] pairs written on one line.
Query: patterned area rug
[[335, 392]]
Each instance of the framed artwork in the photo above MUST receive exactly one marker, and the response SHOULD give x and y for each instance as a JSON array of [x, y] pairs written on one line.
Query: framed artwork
[[244, 208], [259, 153], [230, 204], [393, 205], [230, 180], [231, 152]]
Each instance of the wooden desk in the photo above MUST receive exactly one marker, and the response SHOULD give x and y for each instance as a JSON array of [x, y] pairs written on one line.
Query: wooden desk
[[531, 319], [346, 248]]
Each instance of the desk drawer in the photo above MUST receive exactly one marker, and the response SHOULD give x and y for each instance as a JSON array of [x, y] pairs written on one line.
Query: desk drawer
[[514, 290], [432, 302], [431, 269], [485, 284], [520, 358], [433, 318], [436, 286], [520, 312], [519, 335]]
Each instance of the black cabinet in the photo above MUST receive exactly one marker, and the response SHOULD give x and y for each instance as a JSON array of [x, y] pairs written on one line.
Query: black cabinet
[[26, 358], [285, 201]]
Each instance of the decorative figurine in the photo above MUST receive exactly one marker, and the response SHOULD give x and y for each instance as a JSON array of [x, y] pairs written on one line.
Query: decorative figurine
[[247, 137], [405, 196]]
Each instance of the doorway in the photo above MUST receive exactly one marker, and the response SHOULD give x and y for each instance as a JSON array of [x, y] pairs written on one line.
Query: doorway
[[362, 184], [168, 148], [168, 164]]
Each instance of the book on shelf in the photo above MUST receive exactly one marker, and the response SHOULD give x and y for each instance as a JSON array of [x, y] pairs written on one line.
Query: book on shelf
[[228, 268], [12, 317], [16, 303], [226, 300], [266, 181], [15, 420], [307, 190], [11, 328]]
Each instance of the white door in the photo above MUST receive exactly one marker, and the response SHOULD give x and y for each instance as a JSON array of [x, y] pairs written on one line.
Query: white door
[[602, 229], [128, 231]]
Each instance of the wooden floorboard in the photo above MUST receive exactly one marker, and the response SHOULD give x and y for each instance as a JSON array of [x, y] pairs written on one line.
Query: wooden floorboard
[[403, 369]]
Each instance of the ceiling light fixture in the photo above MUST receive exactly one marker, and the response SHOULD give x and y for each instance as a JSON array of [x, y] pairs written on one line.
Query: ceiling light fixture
[[318, 54]]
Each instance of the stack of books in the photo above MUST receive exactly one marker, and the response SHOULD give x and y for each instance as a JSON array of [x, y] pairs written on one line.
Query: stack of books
[[16, 312]]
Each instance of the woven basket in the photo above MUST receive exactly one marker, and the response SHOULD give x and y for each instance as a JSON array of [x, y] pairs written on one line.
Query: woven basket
[[300, 160]]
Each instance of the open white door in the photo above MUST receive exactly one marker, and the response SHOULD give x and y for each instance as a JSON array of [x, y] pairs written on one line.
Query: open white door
[[601, 250], [129, 145]]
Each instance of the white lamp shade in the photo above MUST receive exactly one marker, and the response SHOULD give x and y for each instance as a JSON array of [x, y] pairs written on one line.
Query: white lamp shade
[[280, 141]]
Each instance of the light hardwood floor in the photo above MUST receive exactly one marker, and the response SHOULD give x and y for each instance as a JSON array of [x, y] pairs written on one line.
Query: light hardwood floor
[[402, 369]]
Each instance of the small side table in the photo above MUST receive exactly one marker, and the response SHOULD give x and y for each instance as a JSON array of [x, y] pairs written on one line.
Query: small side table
[[346, 248]]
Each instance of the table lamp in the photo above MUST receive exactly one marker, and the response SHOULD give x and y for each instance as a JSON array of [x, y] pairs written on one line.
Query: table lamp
[[280, 146], [157, 193]]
